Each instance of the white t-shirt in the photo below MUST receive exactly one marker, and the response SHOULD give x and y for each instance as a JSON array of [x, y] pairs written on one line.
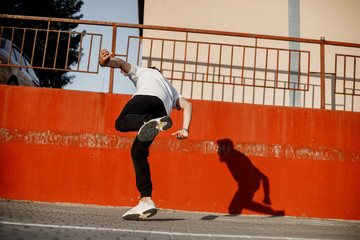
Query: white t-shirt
[[151, 82]]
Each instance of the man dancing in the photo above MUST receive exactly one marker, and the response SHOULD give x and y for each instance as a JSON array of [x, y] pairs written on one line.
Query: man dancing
[[148, 113]]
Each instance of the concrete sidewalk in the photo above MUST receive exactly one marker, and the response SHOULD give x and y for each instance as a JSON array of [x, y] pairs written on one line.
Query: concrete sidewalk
[[56, 221]]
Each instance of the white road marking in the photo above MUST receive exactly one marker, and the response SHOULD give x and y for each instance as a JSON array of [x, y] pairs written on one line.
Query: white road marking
[[153, 232]]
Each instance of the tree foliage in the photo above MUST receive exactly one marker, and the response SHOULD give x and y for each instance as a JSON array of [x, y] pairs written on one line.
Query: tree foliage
[[68, 48]]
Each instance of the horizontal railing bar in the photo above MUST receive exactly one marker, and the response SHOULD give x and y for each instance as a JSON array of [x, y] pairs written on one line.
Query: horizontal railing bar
[[51, 30], [238, 84], [223, 44], [48, 68], [346, 55]]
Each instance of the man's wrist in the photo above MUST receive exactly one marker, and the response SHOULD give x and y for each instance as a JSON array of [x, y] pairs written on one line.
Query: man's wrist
[[185, 129]]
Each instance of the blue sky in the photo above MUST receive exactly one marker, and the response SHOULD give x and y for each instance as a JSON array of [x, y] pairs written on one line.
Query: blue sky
[[122, 11]]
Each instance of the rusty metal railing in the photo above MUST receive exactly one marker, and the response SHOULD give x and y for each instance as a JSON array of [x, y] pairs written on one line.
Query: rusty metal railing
[[53, 65], [342, 79], [275, 83], [186, 58]]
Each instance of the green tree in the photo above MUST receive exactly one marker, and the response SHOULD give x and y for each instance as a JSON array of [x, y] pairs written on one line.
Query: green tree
[[45, 8]]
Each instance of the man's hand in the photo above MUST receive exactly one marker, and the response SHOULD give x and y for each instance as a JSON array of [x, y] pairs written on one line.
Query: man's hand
[[108, 59], [104, 57], [181, 134]]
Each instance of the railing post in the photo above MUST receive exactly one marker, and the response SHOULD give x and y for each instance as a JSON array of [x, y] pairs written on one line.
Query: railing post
[[113, 49], [322, 71]]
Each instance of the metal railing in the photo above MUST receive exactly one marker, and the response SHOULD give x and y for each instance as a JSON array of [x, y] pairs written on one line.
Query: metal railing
[[231, 78], [53, 64], [353, 79], [235, 64]]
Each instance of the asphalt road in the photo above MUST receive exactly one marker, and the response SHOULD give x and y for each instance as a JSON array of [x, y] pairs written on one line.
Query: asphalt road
[[22, 220]]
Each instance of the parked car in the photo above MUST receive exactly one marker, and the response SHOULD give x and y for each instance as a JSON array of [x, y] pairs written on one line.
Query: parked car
[[22, 76]]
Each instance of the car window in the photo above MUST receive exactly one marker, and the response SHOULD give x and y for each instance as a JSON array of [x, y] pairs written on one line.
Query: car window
[[25, 61], [16, 55], [4, 44], [32, 73]]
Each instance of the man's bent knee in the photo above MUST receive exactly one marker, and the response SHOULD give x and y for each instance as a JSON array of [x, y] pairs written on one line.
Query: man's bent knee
[[119, 125]]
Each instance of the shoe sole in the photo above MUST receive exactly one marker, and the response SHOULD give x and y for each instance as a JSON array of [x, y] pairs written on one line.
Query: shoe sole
[[151, 129], [140, 217], [165, 123]]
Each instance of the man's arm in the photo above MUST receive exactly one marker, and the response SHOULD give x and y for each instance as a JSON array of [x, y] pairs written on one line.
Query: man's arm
[[266, 186], [107, 59], [187, 107]]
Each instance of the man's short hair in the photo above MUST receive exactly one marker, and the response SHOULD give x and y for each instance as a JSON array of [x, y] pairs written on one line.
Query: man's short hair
[[153, 67]]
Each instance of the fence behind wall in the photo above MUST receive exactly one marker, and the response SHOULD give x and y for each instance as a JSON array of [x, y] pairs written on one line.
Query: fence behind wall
[[219, 65]]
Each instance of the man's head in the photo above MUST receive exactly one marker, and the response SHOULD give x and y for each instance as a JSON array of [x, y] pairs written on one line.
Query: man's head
[[153, 67], [226, 146]]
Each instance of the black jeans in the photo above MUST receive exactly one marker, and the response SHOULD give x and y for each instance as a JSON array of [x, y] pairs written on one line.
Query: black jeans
[[140, 109]]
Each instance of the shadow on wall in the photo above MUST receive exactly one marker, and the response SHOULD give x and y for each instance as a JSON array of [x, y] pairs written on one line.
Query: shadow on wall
[[249, 179]]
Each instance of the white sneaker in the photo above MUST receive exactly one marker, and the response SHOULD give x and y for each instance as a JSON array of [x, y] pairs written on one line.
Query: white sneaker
[[141, 211], [151, 129]]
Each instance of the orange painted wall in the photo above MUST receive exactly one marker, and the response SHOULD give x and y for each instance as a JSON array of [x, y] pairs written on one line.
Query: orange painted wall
[[61, 146]]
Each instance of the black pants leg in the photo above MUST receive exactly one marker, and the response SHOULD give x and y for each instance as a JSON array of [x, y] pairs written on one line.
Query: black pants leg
[[138, 110]]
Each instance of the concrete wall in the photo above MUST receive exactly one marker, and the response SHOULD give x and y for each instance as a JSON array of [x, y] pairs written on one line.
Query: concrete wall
[[332, 19], [61, 146]]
